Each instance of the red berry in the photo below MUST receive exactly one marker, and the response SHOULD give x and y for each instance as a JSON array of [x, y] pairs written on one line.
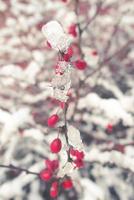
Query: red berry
[[55, 164], [79, 154], [45, 175], [52, 120], [68, 55], [67, 184], [72, 30], [56, 145], [72, 152], [79, 163], [54, 189], [52, 165], [80, 64]]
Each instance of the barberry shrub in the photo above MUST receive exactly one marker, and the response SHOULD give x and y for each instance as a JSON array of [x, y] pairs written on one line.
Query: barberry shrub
[[66, 106]]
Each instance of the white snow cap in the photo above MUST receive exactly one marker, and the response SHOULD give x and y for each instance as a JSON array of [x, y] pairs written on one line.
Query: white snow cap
[[55, 35]]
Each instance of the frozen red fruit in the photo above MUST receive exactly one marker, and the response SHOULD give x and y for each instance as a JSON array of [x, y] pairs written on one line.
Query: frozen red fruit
[[79, 163], [72, 30], [67, 184], [52, 165], [72, 152], [68, 55], [80, 64], [56, 145], [55, 164], [79, 154], [54, 189], [45, 175], [52, 120]]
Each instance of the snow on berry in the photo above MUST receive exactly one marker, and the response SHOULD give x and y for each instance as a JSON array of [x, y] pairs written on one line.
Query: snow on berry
[[55, 35], [61, 82]]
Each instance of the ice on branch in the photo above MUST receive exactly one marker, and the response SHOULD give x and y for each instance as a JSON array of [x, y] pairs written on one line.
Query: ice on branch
[[55, 35], [75, 138], [62, 81], [66, 170]]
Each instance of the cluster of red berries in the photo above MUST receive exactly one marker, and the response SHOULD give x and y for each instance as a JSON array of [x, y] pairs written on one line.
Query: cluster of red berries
[[49, 172], [51, 166], [78, 64], [66, 184], [56, 144], [77, 157]]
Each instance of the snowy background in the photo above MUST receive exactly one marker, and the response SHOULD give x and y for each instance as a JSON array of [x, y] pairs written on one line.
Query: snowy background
[[101, 101]]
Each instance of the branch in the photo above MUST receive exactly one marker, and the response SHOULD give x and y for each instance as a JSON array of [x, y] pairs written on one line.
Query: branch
[[12, 167], [99, 6], [105, 61]]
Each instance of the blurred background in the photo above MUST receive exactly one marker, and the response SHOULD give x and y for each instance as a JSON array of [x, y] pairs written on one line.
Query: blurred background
[[102, 107]]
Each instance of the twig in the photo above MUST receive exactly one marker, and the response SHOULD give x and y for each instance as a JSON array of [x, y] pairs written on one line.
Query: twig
[[99, 5], [65, 126], [12, 167], [106, 60]]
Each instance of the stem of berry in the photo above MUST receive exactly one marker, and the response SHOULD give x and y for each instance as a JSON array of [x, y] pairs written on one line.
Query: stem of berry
[[65, 126], [64, 129]]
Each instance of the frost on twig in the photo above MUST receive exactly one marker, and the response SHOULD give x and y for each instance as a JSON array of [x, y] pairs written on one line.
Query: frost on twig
[[62, 81], [55, 36]]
